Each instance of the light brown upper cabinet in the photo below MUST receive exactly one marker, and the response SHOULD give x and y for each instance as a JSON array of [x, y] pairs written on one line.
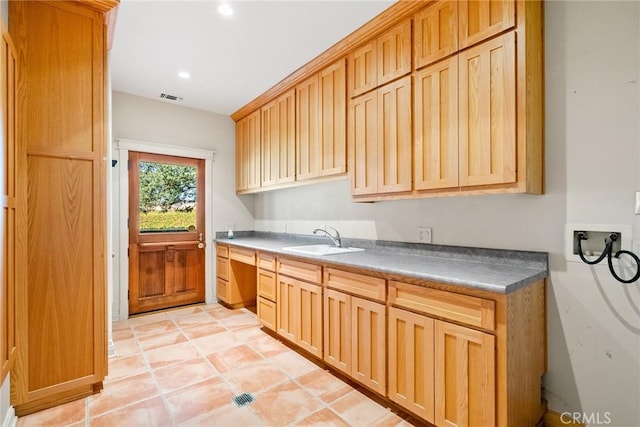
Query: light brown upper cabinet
[[479, 20], [381, 60], [436, 126], [278, 140], [470, 120], [487, 128], [380, 140], [435, 32], [248, 152], [321, 124]]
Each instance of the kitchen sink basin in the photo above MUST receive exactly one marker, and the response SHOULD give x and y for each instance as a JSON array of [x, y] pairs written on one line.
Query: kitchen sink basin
[[320, 250]]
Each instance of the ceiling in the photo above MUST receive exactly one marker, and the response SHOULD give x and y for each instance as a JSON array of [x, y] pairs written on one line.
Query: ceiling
[[231, 60]]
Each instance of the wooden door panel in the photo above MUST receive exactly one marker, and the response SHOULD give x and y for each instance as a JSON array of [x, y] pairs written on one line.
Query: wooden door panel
[[252, 151], [363, 144], [411, 375], [151, 277], [464, 376], [333, 119], [287, 303], [186, 269], [287, 137], [241, 154], [337, 330], [270, 151], [481, 19], [436, 126], [307, 129], [394, 53], [394, 137], [362, 68], [309, 330], [436, 32], [488, 112], [368, 344]]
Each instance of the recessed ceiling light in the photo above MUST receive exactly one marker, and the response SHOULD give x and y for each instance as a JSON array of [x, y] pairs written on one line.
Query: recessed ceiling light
[[184, 75], [225, 9]]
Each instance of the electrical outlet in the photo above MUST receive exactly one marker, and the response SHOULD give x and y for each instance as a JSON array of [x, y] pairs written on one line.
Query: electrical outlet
[[637, 202], [424, 234]]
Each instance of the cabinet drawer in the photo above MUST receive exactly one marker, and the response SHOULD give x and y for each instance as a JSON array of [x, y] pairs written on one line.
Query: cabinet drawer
[[267, 284], [473, 311], [357, 284], [267, 313], [222, 251], [223, 290], [246, 256], [222, 268], [267, 262], [300, 270]]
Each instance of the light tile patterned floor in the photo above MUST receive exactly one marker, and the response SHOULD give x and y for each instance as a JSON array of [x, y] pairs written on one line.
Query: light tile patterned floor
[[183, 367]]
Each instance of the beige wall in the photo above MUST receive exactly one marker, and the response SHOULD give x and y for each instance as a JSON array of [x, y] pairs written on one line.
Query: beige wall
[[593, 170], [163, 123]]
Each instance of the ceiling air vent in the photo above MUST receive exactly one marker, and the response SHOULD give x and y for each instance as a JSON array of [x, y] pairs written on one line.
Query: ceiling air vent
[[170, 97]]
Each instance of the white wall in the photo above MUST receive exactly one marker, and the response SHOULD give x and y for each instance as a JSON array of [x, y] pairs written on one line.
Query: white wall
[[592, 172], [160, 122]]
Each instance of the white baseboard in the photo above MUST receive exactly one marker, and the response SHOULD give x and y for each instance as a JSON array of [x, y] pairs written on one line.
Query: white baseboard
[[10, 419], [111, 349], [115, 317]]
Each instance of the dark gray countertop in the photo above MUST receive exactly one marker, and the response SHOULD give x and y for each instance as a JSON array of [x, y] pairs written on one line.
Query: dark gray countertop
[[494, 270]]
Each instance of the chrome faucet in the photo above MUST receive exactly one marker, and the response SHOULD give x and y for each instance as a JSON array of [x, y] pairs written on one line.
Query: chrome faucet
[[336, 240]]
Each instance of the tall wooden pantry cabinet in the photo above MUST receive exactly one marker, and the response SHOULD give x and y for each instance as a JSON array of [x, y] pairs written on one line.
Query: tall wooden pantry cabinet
[[61, 309]]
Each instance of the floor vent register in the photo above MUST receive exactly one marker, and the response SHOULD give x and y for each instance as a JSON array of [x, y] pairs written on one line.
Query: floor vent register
[[243, 399]]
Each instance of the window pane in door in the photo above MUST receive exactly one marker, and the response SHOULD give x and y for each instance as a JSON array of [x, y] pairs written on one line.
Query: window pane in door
[[167, 197]]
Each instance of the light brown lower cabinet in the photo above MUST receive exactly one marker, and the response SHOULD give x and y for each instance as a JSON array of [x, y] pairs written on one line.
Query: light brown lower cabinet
[[299, 313], [452, 359], [355, 337], [442, 372], [464, 376], [411, 366]]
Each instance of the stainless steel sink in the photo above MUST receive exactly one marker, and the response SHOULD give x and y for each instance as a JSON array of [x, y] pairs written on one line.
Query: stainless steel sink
[[320, 250]]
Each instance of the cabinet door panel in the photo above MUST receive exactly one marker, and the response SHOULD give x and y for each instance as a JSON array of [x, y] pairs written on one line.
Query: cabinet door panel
[[394, 53], [307, 129], [286, 310], [394, 137], [337, 330], [488, 113], [363, 73], [436, 126], [333, 119], [368, 344], [287, 137], [481, 19], [436, 32], [363, 144], [241, 154], [270, 119], [309, 333], [252, 150], [464, 376], [411, 382]]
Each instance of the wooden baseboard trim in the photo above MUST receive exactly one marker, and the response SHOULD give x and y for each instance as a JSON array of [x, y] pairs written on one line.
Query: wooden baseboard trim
[[555, 419]]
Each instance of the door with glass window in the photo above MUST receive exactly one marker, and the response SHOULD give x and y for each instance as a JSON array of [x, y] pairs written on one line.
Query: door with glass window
[[166, 231]]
